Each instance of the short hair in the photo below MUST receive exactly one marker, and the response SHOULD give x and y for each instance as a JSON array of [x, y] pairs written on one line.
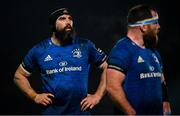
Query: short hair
[[139, 12]]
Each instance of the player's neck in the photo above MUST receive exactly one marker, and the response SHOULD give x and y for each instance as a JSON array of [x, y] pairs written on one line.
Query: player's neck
[[55, 41], [136, 36]]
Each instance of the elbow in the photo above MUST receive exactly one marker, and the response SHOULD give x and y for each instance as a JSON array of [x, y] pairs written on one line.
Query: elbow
[[19, 75], [15, 79], [109, 89], [111, 92]]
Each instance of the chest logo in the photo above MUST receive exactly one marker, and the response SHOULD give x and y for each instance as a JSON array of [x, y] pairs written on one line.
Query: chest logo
[[63, 63], [151, 68], [77, 53], [140, 59], [48, 58]]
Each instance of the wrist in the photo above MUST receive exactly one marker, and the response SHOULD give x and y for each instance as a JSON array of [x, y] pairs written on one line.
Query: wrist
[[98, 96], [33, 95]]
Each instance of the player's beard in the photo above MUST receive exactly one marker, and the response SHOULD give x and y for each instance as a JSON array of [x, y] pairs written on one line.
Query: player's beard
[[150, 40], [66, 34]]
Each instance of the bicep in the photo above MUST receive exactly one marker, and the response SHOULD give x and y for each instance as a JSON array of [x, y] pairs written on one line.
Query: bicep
[[21, 73], [114, 78]]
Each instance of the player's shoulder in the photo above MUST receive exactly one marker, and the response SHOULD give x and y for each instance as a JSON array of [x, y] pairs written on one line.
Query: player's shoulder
[[43, 44], [82, 40], [40, 46], [123, 42], [157, 54]]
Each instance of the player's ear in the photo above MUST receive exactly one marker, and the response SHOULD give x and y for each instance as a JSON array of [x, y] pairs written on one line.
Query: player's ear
[[143, 28]]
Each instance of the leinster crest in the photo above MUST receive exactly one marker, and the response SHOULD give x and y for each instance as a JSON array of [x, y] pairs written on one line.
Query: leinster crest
[[77, 53]]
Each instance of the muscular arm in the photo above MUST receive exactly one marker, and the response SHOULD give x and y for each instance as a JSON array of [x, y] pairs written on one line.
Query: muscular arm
[[20, 79], [91, 100], [115, 91], [166, 104]]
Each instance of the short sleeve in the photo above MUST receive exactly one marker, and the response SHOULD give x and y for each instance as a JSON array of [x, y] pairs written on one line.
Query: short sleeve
[[29, 61], [96, 55], [119, 58], [159, 59]]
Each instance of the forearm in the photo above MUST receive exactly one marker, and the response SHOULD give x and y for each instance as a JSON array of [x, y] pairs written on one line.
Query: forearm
[[165, 92], [101, 90], [91, 100], [116, 92], [166, 104], [24, 85], [118, 97]]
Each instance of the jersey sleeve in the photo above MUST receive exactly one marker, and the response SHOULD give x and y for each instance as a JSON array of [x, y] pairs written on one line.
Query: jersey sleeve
[[96, 55], [29, 62], [159, 59], [119, 58]]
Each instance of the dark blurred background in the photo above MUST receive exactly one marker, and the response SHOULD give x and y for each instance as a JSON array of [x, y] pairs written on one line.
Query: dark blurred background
[[25, 23]]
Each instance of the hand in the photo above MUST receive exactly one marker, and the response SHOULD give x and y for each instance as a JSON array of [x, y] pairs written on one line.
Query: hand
[[131, 112], [89, 102], [166, 108], [44, 99]]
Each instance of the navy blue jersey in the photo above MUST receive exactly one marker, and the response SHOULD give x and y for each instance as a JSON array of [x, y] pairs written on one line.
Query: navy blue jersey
[[64, 72], [143, 72]]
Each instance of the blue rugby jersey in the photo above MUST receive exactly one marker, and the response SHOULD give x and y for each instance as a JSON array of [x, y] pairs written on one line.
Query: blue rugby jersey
[[64, 72], [143, 73]]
